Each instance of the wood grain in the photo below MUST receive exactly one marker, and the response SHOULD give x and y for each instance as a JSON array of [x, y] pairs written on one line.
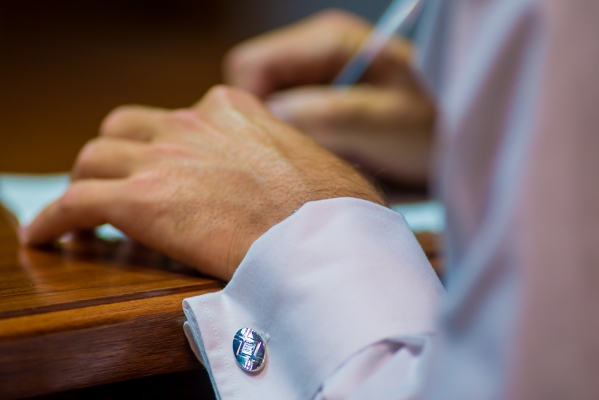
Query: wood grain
[[53, 279], [89, 313], [91, 346]]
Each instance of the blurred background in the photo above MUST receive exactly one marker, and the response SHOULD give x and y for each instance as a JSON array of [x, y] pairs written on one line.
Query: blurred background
[[64, 64]]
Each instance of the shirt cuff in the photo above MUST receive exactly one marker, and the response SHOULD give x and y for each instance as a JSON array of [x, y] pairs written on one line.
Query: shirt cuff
[[333, 278]]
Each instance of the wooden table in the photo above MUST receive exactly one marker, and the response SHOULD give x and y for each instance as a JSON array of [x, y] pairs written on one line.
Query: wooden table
[[92, 313], [89, 314]]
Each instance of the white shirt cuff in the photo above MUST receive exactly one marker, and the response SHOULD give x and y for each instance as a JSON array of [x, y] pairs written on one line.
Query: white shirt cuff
[[334, 278]]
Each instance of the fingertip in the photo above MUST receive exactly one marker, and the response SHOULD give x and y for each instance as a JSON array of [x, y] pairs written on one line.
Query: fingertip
[[243, 68], [23, 235], [31, 234], [44, 228], [298, 104], [232, 66], [278, 108], [132, 121]]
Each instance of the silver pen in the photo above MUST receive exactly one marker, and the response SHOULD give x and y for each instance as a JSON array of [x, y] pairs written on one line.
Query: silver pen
[[397, 17]]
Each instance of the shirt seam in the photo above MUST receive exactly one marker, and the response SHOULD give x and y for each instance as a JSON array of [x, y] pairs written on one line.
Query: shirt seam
[[221, 348]]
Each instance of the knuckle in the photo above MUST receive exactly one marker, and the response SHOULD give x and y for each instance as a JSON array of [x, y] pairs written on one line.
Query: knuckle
[[145, 182], [236, 60], [244, 62], [88, 152], [338, 18], [183, 118], [87, 157], [163, 150], [227, 97], [117, 118], [69, 201], [222, 94]]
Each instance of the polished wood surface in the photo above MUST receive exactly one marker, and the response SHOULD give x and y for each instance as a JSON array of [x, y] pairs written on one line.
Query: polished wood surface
[[89, 313]]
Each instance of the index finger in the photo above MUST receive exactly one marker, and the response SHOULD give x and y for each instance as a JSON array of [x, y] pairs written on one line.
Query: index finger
[[85, 205], [309, 52], [141, 123]]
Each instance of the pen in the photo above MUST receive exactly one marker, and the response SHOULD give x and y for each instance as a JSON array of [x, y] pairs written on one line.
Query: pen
[[400, 15]]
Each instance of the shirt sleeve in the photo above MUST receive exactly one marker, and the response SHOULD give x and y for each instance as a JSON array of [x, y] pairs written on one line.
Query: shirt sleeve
[[339, 285]]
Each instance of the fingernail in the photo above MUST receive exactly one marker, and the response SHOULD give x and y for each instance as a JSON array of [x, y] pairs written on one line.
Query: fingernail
[[23, 235], [278, 108]]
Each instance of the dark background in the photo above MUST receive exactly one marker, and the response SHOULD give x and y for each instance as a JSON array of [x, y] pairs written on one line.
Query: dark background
[[65, 63]]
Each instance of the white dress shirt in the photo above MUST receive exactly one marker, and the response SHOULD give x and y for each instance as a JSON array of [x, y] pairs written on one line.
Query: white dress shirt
[[347, 299]]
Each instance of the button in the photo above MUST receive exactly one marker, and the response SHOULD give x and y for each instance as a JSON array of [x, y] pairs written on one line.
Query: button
[[249, 350]]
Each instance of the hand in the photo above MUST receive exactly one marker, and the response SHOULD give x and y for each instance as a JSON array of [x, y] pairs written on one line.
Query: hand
[[199, 184], [384, 123]]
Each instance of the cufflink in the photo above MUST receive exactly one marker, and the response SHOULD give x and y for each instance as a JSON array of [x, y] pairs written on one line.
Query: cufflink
[[249, 350]]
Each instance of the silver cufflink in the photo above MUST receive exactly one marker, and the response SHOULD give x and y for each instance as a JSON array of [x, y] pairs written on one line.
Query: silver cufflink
[[249, 349]]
